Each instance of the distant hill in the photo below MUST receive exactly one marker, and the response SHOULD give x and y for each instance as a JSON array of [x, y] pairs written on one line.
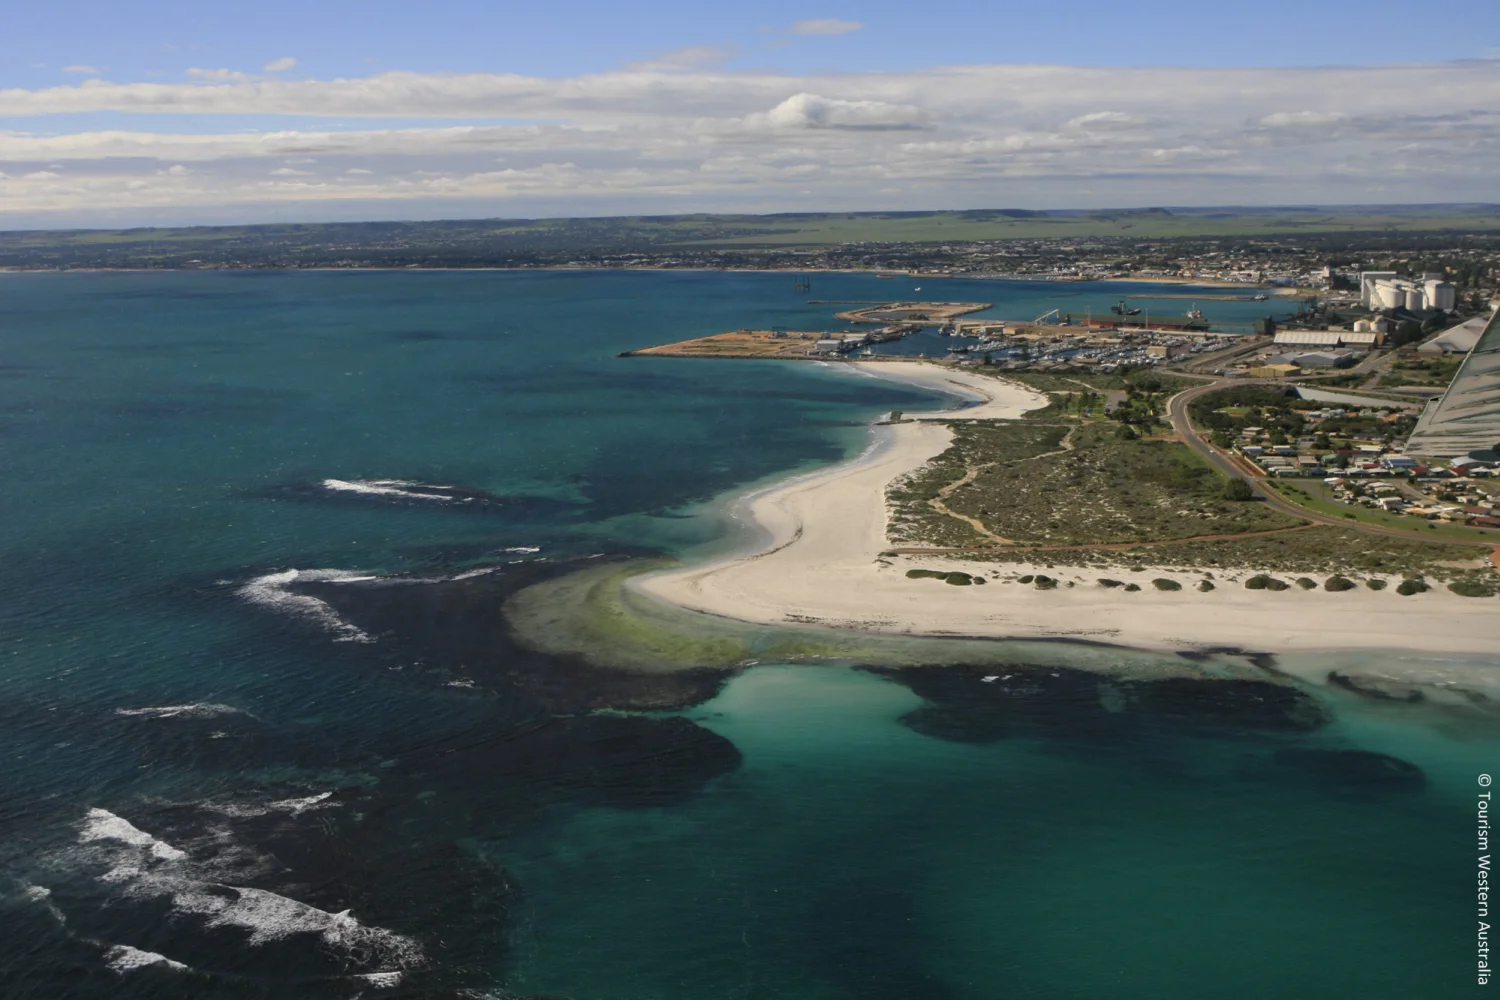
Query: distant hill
[[515, 242]]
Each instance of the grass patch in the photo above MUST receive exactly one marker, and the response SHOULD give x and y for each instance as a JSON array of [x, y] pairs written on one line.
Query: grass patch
[[1316, 497]]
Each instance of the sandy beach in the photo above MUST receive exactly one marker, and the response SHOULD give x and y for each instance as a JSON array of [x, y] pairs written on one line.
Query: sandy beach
[[821, 563]]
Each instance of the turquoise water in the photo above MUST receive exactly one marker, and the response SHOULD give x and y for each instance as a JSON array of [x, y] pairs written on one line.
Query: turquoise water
[[268, 751]]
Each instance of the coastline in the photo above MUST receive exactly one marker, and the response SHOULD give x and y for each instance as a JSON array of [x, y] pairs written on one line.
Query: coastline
[[821, 562]]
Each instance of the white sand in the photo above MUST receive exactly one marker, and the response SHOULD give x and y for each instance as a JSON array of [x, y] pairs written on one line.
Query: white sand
[[822, 564]]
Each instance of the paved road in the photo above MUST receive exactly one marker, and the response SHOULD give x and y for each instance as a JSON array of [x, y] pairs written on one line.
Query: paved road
[[1177, 411]]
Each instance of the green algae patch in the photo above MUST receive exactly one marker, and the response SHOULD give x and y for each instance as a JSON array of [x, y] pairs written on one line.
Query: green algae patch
[[595, 615]]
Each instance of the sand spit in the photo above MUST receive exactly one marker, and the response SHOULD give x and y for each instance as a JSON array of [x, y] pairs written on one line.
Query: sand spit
[[821, 564]]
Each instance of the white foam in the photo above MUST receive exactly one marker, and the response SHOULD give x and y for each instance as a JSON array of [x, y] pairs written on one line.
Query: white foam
[[403, 488], [270, 591], [199, 710], [269, 917], [299, 806], [122, 958], [523, 549], [294, 807], [101, 824], [381, 980]]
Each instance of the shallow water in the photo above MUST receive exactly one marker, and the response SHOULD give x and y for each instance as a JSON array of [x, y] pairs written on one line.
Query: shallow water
[[208, 474]]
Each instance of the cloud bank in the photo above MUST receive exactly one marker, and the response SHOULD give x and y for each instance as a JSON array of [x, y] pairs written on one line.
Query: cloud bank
[[675, 134]]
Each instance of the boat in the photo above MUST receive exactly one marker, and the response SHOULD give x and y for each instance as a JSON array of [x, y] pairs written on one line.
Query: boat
[[1121, 309], [1194, 313]]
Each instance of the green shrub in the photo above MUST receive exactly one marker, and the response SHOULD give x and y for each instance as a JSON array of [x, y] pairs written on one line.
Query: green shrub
[[1409, 587], [1205, 586], [1307, 583], [1025, 579], [1131, 588], [925, 574], [980, 579], [1162, 583], [1045, 582], [1473, 588], [1263, 582], [1339, 583], [1375, 583], [1110, 583], [1238, 489], [958, 579]]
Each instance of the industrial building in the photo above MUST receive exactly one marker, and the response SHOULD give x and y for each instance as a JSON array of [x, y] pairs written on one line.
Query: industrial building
[[1466, 418], [1383, 290], [1329, 338], [1459, 339]]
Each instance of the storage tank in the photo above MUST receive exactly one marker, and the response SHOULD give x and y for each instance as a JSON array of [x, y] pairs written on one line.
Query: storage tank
[[1442, 295], [1390, 295], [1416, 299]]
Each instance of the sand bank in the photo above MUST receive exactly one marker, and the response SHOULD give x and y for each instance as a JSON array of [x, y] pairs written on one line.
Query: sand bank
[[821, 563]]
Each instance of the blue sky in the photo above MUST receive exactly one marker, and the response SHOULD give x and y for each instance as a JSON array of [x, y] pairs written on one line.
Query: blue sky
[[562, 38], [136, 113]]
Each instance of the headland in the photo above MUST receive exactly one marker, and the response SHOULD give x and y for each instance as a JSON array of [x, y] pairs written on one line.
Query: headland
[[827, 559]]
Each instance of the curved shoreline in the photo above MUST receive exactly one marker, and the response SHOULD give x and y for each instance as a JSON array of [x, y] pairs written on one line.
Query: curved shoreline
[[821, 563]]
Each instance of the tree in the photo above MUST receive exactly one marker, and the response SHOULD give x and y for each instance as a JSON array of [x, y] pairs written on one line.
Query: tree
[[1126, 433], [1238, 489]]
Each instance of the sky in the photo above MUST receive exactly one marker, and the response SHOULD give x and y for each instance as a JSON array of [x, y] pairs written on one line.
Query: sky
[[171, 113]]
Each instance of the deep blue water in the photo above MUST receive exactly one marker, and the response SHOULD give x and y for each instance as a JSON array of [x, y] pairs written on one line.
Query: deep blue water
[[206, 766]]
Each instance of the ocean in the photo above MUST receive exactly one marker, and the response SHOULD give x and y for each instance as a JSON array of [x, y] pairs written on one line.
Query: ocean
[[267, 733]]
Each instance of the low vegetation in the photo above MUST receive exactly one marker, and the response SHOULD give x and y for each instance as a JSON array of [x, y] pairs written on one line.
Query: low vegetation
[[954, 577], [1026, 488], [1163, 583], [914, 520], [1316, 549]]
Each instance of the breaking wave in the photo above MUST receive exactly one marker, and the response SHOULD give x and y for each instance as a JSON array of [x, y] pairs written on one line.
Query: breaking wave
[[101, 824], [273, 591], [122, 958], [199, 710]]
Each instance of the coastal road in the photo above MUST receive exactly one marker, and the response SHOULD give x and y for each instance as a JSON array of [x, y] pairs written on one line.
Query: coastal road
[[1177, 412]]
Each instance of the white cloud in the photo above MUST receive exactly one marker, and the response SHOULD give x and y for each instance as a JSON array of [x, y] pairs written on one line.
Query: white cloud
[[81, 70], [1293, 119], [812, 111], [1099, 120], [685, 136], [692, 57], [219, 75], [826, 26], [280, 65]]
